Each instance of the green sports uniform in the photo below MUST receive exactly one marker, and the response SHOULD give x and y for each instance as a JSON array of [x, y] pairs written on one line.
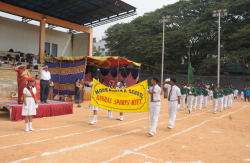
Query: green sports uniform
[[225, 92], [183, 91], [221, 93], [197, 92], [201, 91], [215, 94], [192, 89], [205, 92]]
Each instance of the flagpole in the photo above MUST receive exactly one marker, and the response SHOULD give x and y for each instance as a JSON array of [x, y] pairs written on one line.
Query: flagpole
[[188, 46]]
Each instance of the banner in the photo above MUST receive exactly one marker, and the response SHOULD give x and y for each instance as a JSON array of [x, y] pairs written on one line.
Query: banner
[[131, 99], [70, 71]]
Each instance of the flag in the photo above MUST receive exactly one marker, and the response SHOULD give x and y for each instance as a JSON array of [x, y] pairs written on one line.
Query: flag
[[131, 99], [191, 78]]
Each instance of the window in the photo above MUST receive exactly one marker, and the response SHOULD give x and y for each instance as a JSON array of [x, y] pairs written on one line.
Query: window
[[47, 47], [54, 50]]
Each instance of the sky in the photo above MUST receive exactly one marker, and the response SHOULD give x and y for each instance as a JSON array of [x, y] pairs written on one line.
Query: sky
[[143, 6]]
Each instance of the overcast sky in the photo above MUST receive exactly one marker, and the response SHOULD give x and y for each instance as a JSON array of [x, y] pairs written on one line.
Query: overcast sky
[[142, 6]]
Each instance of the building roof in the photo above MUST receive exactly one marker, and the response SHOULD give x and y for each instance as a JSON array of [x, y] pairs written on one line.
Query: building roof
[[89, 13]]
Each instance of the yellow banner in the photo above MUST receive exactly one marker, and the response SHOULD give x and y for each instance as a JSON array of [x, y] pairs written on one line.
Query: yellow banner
[[131, 99]]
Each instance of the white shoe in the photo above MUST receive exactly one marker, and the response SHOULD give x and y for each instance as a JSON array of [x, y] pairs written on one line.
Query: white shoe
[[120, 118], [111, 117], [26, 130], [214, 112], [189, 111], [93, 122], [150, 133], [170, 127], [31, 129]]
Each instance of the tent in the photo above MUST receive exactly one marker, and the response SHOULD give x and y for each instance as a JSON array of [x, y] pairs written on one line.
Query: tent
[[65, 70]]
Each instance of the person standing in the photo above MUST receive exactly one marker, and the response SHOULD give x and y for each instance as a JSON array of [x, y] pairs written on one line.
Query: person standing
[[245, 94], [44, 83], [200, 97], [183, 95], [155, 104], [205, 96], [233, 89], [122, 85], [37, 86], [229, 101], [113, 86], [78, 92], [220, 99], [242, 95], [30, 104], [51, 89], [22, 76], [191, 93], [211, 93], [215, 99], [93, 107], [225, 93], [174, 98], [236, 94], [196, 94]]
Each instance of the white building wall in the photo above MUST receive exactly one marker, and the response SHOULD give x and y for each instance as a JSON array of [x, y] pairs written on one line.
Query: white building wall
[[80, 44], [24, 37]]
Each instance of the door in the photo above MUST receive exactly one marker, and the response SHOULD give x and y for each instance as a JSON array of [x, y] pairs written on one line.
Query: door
[[47, 47], [54, 50]]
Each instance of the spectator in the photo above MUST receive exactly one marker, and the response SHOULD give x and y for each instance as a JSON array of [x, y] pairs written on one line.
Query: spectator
[[44, 84]]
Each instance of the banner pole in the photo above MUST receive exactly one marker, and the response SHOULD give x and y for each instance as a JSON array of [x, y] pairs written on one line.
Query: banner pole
[[118, 69], [148, 123], [59, 75], [85, 65]]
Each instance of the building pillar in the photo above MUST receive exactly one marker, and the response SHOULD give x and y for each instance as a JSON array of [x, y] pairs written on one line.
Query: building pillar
[[90, 40], [42, 41]]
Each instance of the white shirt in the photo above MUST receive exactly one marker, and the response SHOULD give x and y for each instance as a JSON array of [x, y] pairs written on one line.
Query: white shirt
[[45, 75], [236, 92], [176, 92], [157, 95]]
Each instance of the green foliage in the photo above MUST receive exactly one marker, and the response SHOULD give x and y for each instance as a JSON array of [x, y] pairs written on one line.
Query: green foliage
[[96, 52], [191, 21]]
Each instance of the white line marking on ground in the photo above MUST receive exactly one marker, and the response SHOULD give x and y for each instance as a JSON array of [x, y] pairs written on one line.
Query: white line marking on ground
[[64, 136], [77, 146], [24, 159], [53, 128], [144, 155], [188, 129], [176, 134], [98, 140]]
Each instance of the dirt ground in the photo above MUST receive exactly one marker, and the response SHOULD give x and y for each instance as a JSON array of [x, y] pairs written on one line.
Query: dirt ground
[[198, 137]]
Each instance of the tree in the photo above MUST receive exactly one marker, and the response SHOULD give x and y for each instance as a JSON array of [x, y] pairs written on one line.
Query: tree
[[191, 22], [96, 52]]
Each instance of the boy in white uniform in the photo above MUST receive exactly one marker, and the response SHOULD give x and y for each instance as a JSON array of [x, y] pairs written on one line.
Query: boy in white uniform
[[174, 98], [242, 95], [155, 104], [235, 94], [191, 93]]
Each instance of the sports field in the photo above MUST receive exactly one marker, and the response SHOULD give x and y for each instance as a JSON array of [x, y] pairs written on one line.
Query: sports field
[[198, 137]]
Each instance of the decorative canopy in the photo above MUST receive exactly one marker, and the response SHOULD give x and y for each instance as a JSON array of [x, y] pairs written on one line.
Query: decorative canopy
[[89, 13], [97, 61]]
